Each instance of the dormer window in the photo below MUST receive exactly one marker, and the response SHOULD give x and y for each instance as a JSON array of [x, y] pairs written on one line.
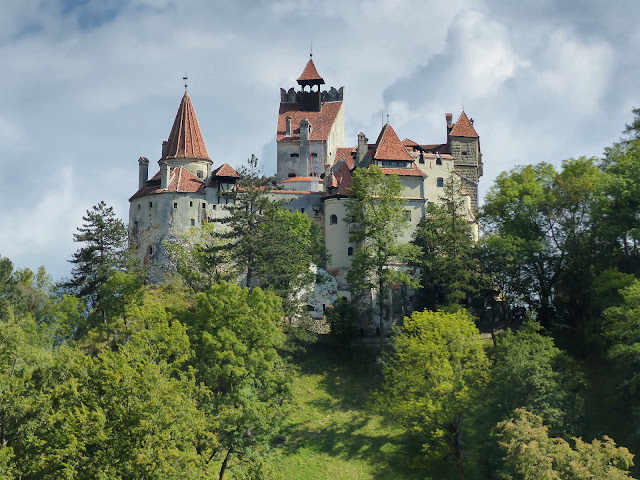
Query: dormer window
[[287, 132], [199, 174]]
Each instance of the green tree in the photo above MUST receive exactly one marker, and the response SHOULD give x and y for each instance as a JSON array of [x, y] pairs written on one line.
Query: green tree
[[530, 372], [104, 251], [434, 373], [343, 318], [235, 334], [549, 215], [376, 211], [449, 270], [530, 454]]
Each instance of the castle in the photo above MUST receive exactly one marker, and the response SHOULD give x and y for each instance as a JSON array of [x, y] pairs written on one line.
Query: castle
[[313, 175]]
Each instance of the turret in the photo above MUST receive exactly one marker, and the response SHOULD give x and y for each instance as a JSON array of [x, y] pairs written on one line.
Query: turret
[[143, 172]]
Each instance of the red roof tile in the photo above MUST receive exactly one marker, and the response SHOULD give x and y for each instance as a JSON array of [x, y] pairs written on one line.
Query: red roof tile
[[310, 75], [342, 175], [345, 153], [300, 179], [185, 139], [225, 170], [463, 127], [321, 122], [389, 146], [414, 171], [409, 143], [181, 180]]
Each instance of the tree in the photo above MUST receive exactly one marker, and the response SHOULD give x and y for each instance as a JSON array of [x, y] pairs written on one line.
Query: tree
[[377, 214], [448, 268], [532, 455], [275, 247], [343, 318], [549, 215], [530, 372], [436, 368], [104, 251], [235, 334]]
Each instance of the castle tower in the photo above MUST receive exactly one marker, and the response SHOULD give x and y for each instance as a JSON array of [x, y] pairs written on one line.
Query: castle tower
[[175, 198], [465, 148], [310, 126]]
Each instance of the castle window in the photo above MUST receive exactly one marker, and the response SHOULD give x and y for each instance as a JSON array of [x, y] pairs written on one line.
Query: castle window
[[213, 207], [407, 215], [295, 155], [175, 205], [191, 204], [421, 159], [193, 222], [199, 174], [139, 206], [314, 155], [440, 182], [204, 205], [333, 219], [150, 250], [291, 175], [302, 210], [438, 161], [350, 251], [288, 127], [150, 204]]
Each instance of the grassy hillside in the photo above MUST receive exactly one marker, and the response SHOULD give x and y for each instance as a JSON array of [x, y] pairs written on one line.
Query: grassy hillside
[[332, 431]]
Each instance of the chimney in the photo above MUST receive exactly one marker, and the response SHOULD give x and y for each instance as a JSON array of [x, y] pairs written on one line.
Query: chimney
[[363, 147], [208, 172], [449, 117], [164, 175], [305, 154], [143, 172], [164, 149], [287, 132]]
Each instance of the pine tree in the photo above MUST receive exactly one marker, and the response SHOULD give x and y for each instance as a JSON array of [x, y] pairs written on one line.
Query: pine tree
[[104, 251]]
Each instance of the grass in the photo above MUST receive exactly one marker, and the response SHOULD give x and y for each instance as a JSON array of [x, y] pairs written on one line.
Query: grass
[[332, 430]]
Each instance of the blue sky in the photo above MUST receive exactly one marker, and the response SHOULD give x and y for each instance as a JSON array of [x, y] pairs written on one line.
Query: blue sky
[[91, 85]]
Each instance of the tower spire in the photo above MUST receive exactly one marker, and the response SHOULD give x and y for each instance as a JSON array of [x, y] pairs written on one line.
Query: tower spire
[[185, 78]]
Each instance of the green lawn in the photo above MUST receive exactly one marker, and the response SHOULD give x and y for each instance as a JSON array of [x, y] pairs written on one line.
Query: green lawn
[[332, 430]]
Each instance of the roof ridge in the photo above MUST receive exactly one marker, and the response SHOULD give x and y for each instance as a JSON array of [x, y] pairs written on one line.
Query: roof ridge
[[463, 127], [179, 178], [389, 147]]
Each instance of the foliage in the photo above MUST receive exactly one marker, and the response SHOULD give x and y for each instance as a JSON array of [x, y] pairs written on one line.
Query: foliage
[[532, 455], [377, 214], [104, 251], [275, 247], [547, 215], [436, 369], [198, 256], [343, 318], [530, 372], [448, 268], [235, 334]]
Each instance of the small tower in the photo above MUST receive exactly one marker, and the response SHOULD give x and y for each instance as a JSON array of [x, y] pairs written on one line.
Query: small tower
[[465, 148], [310, 126]]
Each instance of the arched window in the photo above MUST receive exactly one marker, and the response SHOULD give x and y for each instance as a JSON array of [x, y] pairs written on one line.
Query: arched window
[[333, 219], [350, 251], [440, 182]]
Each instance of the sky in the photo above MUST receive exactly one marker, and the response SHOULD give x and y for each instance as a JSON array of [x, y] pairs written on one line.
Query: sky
[[89, 86]]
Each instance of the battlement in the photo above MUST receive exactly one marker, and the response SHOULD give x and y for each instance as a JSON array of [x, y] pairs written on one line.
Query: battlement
[[293, 96]]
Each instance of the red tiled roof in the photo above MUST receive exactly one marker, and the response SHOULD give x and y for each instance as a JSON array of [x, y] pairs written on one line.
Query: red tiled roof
[[300, 179], [409, 143], [185, 139], [225, 170], [414, 171], [347, 154], [342, 174], [181, 180], [321, 122], [463, 127], [389, 146], [310, 74]]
